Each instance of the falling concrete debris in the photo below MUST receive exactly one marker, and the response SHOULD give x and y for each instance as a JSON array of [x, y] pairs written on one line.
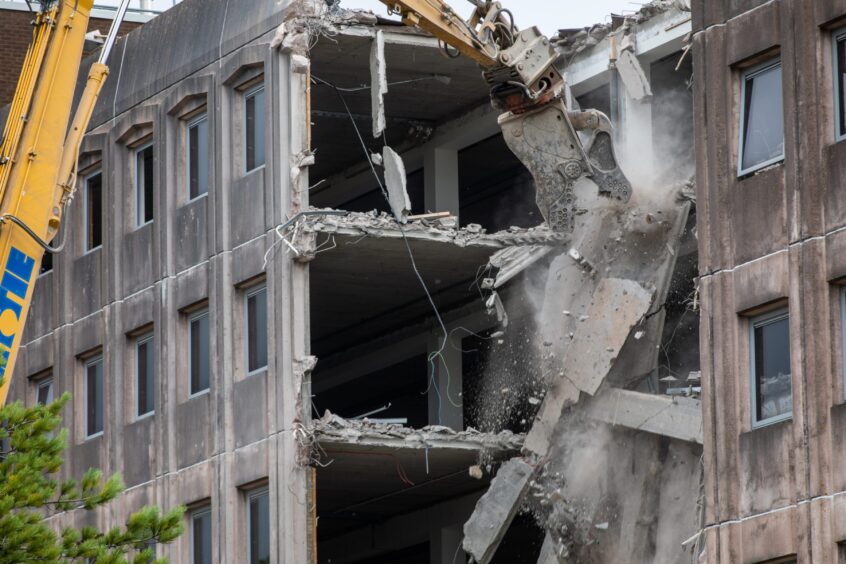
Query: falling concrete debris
[[675, 417], [510, 262], [596, 345], [548, 551], [378, 83], [496, 509], [395, 183], [591, 354], [631, 72]]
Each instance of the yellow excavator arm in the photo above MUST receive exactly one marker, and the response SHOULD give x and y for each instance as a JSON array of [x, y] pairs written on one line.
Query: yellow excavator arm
[[525, 83], [38, 156]]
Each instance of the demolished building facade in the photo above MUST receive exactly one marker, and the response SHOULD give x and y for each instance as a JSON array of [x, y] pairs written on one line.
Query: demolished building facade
[[331, 363]]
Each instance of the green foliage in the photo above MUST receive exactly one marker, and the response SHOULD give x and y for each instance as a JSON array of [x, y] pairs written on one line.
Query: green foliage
[[30, 492]]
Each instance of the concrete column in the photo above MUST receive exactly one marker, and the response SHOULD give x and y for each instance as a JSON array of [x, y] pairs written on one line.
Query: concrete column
[[444, 546], [440, 178], [445, 400]]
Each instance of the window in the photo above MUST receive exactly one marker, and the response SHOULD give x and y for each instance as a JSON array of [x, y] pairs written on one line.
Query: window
[[772, 398], [840, 82], [144, 185], [145, 375], [94, 397], [258, 527], [44, 392], [201, 536], [198, 351], [761, 119], [93, 211], [254, 127], [198, 157], [256, 323]]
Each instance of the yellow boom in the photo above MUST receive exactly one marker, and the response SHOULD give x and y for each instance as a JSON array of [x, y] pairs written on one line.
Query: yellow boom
[[38, 159]]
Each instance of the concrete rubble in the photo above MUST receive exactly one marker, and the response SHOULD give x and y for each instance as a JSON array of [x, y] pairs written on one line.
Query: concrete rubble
[[334, 429], [373, 224]]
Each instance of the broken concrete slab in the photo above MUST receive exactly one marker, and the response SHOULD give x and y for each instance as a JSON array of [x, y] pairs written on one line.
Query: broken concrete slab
[[632, 75], [395, 183], [378, 83], [333, 429], [512, 261], [675, 417], [381, 225], [496, 509], [547, 553], [562, 393], [617, 306]]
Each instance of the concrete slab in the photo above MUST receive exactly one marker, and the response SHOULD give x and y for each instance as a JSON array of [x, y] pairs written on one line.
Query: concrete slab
[[633, 76], [547, 553], [496, 509], [676, 417], [617, 306], [395, 183]]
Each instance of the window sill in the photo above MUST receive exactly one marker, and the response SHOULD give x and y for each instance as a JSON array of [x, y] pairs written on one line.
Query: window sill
[[253, 170], [147, 415], [195, 198], [788, 417], [760, 168], [92, 251], [93, 437], [143, 225], [256, 372], [200, 394]]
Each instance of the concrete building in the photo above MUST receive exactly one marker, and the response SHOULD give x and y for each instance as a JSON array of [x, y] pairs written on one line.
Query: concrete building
[[769, 114], [230, 308]]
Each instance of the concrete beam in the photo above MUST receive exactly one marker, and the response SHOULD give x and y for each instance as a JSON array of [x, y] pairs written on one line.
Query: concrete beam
[[496, 509], [674, 417]]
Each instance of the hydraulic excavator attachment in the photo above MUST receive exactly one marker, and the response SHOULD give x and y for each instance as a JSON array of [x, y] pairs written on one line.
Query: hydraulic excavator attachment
[[38, 157], [528, 88]]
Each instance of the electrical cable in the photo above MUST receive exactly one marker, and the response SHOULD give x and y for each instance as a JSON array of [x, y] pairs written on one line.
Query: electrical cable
[[439, 352]]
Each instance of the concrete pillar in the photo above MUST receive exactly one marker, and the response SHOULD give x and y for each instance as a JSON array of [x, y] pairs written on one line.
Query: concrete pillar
[[440, 178], [444, 546], [445, 400]]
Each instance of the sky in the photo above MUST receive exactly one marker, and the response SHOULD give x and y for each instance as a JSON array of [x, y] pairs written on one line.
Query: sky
[[549, 15]]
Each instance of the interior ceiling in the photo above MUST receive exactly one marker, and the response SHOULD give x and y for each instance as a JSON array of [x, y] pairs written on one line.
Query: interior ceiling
[[345, 62], [367, 484], [366, 287]]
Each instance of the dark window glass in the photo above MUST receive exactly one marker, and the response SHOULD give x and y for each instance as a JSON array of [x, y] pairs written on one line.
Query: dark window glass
[[198, 335], [93, 211], [840, 79], [259, 528], [254, 117], [45, 392], [201, 539], [145, 375], [46, 263], [256, 330], [198, 157], [763, 118], [144, 185], [771, 346], [94, 397]]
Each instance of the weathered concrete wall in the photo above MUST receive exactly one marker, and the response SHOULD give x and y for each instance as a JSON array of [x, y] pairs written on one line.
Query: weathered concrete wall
[[212, 447], [773, 236]]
